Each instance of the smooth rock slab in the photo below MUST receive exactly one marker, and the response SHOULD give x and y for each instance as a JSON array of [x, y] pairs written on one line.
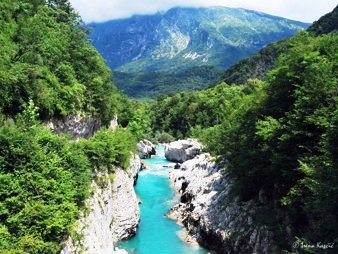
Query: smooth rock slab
[[182, 150]]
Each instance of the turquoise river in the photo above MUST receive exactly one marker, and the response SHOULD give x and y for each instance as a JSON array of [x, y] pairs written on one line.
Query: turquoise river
[[156, 233]]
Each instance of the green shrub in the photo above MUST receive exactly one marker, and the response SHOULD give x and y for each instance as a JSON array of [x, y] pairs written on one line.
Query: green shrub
[[163, 137], [44, 180], [107, 148]]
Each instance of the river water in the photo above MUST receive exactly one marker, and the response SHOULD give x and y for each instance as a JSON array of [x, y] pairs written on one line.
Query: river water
[[156, 233]]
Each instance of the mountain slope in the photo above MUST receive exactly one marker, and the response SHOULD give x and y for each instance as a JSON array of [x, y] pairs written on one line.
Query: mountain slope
[[259, 64], [326, 24], [160, 54], [153, 84], [187, 37]]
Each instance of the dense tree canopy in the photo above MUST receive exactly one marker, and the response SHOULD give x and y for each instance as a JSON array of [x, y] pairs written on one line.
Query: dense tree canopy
[[46, 57], [279, 136], [182, 112], [48, 69], [44, 179]]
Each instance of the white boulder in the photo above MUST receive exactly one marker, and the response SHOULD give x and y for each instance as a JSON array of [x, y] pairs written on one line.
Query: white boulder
[[145, 149], [182, 150]]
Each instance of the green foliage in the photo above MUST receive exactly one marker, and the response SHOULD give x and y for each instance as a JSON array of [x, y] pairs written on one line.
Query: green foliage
[[178, 114], [238, 120], [29, 116], [46, 56], [267, 128], [154, 84], [286, 144], [44, 179], [107, 148], [139, 125]]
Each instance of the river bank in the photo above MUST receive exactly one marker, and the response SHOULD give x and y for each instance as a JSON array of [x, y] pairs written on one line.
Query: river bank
[[156, 232], [216, 219]]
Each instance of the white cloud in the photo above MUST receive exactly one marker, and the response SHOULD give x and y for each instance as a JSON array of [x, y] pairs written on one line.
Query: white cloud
[[101, 10]]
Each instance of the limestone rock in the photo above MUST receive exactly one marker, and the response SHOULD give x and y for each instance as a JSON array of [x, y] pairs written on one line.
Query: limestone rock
[[113, 123], [135, 167], [182, 150], [77, 126], [221, 224], [146, 149], [126, 212], [113, 213]]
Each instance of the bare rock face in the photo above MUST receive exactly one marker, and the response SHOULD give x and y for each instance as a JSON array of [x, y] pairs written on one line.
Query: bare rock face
[[76, 125], [217, 222], [182, 150], [126, 212], [113, 213], [145, 149], [113, 123]]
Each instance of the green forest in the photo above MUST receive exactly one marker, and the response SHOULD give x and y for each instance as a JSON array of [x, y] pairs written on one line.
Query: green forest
[[279, 136], [277, 130], [49, 70]]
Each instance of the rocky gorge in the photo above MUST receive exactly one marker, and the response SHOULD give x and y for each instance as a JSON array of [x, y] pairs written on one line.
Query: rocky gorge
[[211, 216], [112, 213]]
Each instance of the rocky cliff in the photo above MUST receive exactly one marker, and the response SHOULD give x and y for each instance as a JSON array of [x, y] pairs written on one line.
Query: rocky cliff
[[113, 213], [76, 125], [79, 125], [215, 220]]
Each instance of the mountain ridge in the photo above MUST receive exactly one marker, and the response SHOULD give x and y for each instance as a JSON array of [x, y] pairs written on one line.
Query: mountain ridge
[[187, 37], [257, 65], [154, 50]]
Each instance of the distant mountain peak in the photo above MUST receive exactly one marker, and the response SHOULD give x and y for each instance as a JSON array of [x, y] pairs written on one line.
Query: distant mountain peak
[[184, 37], [184, 48]]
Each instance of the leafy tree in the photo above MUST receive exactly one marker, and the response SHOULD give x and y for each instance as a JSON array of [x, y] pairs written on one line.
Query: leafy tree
[[47, 57], [107, 148], [44, 179], [139, 124], [284, 145]]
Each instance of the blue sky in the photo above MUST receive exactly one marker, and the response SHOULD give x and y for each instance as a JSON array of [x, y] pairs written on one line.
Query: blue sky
[[102, 10]]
